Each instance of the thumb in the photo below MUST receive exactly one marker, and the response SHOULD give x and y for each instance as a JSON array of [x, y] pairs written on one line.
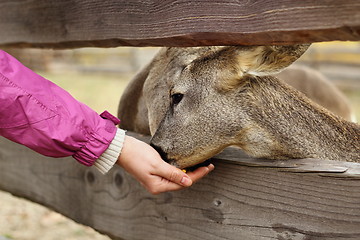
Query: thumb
[[174, 175]]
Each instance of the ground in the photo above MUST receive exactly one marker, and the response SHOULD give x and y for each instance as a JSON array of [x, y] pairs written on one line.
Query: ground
[[24, 220]]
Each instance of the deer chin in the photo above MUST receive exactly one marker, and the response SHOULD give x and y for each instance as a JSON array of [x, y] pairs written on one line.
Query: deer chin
[[193, 161], [198, 158], [184, 163], [189, 167]]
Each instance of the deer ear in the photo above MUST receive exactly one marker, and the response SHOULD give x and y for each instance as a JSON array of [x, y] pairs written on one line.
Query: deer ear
[[266, 60]]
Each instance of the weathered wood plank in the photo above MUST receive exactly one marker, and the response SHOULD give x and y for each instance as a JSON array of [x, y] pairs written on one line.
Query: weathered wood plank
[[267, 200], [71, 24]]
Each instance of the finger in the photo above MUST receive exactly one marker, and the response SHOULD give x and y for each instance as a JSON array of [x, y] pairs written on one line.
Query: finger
[[164, 185], [160, 185], [200, 172], [167, 185], [173, 174]]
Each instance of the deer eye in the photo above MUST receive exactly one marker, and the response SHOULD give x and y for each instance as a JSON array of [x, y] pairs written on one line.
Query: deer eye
[[176, 98]]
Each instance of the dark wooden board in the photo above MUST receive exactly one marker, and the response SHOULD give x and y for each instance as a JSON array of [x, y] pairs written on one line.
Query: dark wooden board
[[84, 23], [243, 198]]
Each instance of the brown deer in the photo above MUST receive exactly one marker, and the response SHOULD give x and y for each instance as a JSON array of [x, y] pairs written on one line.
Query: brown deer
[[197, 101]]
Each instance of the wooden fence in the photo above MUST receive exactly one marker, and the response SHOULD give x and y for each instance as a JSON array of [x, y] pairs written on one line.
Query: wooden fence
[[70, 24], [244, 198]]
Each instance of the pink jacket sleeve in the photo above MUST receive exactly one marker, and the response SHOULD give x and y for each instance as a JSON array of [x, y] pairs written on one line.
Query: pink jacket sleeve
[[44, 117]]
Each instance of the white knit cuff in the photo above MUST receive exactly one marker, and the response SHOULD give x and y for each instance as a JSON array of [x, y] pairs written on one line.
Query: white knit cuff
[[107, 160]]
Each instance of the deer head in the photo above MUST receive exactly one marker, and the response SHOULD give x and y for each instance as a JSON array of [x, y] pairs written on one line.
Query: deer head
[[199, 99]]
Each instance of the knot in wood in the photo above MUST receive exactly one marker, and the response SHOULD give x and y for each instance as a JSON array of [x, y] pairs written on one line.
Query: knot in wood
[[118, 179], [90, 177], [217, 202]]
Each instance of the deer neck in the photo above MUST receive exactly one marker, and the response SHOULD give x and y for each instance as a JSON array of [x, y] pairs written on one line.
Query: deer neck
[[288, 125]]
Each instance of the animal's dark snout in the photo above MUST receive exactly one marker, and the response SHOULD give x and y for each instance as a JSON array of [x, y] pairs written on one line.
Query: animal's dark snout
[[161, 152]]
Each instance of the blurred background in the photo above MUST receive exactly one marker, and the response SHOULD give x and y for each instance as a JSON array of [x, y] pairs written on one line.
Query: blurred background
[[97, 77]]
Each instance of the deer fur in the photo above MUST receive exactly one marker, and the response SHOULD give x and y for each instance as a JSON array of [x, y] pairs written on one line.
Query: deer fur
[[197, 101], [319, 89]]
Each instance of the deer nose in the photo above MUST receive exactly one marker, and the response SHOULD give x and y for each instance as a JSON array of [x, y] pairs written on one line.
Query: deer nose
[[161, 152]]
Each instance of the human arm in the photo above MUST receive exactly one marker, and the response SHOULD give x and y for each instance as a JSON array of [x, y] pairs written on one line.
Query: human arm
[[44, 117]]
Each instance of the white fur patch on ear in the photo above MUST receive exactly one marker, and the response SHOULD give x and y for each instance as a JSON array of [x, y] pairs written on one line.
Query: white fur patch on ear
[[260, 74], [249, 58], [267, 60], [252, 62]]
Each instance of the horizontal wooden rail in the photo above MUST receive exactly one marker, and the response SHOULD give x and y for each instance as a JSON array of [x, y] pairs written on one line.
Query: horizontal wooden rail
[[85, 23], [243, 198]]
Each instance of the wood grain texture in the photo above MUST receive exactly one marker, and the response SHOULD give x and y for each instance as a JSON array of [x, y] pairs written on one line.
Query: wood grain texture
[[241, 199], [84, 23]]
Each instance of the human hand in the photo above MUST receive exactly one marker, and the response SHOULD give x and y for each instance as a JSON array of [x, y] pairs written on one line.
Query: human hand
[[157, 176]]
